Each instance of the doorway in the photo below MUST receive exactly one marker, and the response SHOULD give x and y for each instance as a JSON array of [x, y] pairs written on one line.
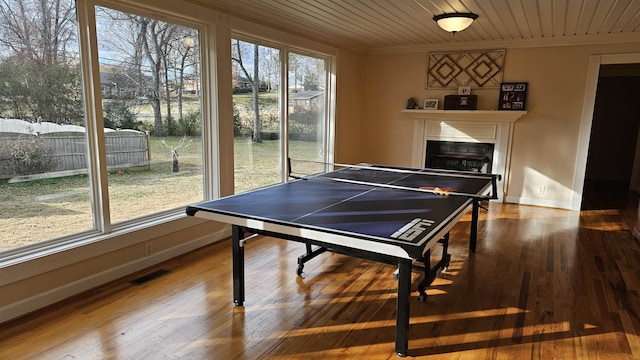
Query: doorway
[[609, 174]]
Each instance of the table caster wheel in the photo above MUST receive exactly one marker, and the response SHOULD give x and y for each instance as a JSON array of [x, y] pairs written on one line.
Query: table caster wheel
[[422, 290], [423, 297], [447, 263]]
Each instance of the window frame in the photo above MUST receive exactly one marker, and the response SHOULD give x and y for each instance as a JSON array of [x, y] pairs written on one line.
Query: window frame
[[209, 122], [105, 237], [330, 60], [215, 29]]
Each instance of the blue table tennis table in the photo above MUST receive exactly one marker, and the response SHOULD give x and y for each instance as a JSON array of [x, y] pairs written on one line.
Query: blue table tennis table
[[386, 214]]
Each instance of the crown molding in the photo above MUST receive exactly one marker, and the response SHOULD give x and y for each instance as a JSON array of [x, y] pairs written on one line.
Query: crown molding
[[574, 40]]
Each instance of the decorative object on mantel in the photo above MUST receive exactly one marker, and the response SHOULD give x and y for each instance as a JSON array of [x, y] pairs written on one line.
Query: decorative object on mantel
[[430, 104], [475, 69], [460, 102], [464, 90], [412, 104], [513, 96]]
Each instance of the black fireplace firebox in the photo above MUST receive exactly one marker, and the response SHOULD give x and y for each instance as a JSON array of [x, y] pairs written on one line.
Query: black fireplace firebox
[[452, 155]]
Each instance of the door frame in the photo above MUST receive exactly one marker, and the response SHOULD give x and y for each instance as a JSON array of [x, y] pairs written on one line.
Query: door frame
[[587, 117]]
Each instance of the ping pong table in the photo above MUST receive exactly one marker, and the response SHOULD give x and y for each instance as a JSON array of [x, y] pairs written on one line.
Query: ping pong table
[[387, 214]]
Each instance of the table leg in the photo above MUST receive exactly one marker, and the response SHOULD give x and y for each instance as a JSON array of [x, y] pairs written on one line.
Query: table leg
[[311, 253], [238, 265], [474, 225], [402, 307]]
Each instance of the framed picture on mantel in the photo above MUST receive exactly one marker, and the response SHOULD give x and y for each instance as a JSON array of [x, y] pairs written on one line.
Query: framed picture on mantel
[[430, 104], [513, 96]]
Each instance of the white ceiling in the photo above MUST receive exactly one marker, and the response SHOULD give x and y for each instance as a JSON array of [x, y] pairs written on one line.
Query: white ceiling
[[383, 25]]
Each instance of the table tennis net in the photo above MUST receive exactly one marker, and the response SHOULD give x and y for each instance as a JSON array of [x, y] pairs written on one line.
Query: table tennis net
[[438, 181]]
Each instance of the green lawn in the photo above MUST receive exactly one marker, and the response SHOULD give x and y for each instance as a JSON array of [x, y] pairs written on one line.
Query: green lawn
[[32, 211]]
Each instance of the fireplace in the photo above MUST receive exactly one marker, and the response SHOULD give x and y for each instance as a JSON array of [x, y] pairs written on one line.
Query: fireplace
[[454, 155], [482, 128]]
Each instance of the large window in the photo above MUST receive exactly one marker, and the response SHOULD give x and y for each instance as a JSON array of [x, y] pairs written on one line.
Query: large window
[[102, 128], [257, 120], [261, 122], [307, 113], [150, 90], [44, 188], [64, 174]]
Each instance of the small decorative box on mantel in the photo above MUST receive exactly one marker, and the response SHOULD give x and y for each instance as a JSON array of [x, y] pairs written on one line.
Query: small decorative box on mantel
[[461, 102]]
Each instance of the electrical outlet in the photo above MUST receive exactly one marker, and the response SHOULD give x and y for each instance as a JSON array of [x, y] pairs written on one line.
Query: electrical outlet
[[148, 249], [541, 189]]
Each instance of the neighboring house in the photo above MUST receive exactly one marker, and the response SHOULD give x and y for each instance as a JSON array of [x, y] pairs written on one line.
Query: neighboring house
[[308, 100], [240, 84], [243, 85], [119, 85], [191, 84]]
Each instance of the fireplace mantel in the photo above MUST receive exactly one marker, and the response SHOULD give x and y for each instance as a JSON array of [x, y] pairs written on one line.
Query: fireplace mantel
[[486, 126], [465, 115]]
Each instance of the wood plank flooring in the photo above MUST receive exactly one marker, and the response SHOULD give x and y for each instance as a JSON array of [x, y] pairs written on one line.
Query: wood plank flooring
[[543, 284]]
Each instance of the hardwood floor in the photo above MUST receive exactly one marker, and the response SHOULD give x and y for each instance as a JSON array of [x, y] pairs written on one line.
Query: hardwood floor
[[543, 284]]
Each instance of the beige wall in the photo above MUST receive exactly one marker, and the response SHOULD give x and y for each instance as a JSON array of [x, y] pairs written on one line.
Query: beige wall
[[350, 99], [54, 277], [545, 141]]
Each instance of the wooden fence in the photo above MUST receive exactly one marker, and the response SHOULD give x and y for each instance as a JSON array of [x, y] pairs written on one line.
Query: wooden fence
[[124, 148]]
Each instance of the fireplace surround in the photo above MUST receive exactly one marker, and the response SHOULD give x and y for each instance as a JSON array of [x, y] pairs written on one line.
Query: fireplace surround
[[466, 126], [455, 155]]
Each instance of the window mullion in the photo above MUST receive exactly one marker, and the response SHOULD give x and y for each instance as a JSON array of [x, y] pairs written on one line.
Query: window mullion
[[329, 118], [210, 111], [96, 150], [284, 113]]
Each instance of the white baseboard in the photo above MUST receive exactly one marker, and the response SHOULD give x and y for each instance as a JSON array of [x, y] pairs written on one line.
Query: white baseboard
[[539, 202], [52, 296]]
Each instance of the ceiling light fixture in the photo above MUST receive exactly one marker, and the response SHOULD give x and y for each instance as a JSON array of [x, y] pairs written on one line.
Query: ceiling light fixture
[[454, 22]]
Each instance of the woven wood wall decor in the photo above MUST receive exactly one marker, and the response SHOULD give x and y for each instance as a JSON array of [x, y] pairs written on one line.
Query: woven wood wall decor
[[477, 69]]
